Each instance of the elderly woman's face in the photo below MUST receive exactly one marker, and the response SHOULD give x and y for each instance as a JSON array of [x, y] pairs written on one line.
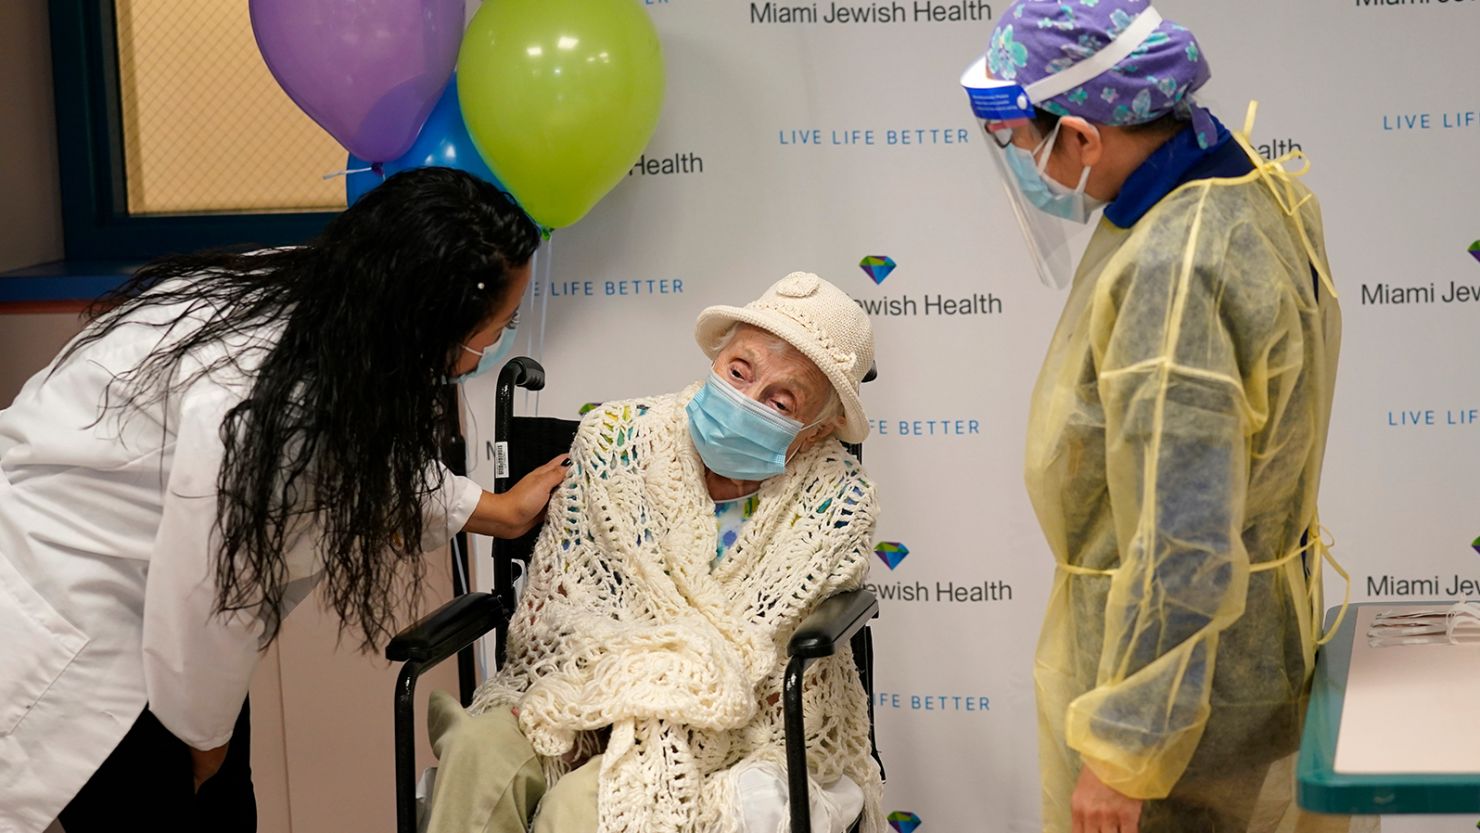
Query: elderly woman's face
[[773, 373]]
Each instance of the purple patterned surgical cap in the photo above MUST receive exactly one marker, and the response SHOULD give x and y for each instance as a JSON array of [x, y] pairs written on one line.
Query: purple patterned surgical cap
[[1035, 39]]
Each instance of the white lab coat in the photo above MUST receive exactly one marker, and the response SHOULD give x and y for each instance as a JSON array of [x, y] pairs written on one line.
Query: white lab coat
[[106, 586]]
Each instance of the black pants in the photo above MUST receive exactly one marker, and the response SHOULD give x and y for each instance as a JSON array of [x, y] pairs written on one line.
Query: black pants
[[147, 784]]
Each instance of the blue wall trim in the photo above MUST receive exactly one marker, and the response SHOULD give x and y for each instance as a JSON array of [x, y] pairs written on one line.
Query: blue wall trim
[[62, 281]]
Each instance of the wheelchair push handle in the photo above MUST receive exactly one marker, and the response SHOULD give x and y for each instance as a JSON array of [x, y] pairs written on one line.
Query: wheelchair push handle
[[521, 372], [518, 372]]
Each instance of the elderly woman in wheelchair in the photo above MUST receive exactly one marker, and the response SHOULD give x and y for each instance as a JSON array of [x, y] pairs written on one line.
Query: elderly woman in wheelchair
[[694, 533]]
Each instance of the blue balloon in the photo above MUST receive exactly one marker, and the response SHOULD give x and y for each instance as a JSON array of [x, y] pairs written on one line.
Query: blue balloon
[[443, 142]]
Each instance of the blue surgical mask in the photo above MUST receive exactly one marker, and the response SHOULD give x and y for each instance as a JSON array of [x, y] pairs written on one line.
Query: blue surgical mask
[[738, 437], [1045, 194], [490, 357]]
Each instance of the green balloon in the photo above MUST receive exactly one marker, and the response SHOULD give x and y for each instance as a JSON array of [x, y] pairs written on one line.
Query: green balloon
[[560, 97]]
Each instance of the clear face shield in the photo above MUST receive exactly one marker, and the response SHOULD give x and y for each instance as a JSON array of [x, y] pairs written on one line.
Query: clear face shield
[[1051, 215]]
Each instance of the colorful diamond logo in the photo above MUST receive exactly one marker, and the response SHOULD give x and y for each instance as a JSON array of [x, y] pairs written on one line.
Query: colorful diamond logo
[[1474, 250], [589, 407], [1476, 544], [878, 267], [891, 553], [904, 821]]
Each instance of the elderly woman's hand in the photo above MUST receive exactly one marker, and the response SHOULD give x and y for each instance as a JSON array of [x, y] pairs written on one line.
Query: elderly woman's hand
[[515, 512]]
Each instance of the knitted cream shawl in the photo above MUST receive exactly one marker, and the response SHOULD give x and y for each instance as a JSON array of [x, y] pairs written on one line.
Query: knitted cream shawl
[[624, 624]]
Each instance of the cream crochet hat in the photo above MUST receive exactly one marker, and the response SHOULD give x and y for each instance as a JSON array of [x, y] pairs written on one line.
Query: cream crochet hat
[[821, 322]]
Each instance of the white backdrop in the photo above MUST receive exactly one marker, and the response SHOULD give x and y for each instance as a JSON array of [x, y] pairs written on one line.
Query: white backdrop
[[793, 140]]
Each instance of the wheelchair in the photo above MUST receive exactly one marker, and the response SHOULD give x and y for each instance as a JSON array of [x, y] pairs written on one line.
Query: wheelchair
[[521, 444]]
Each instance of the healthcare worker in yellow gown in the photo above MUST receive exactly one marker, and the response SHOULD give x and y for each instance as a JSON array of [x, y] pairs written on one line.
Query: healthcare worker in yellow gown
[[1177, 427]]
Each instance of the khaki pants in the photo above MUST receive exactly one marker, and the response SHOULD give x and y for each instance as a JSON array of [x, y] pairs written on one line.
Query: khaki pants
[[489, 779]]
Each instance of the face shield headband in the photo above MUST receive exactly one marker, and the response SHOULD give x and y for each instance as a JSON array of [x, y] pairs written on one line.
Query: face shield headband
[[1002, 105]]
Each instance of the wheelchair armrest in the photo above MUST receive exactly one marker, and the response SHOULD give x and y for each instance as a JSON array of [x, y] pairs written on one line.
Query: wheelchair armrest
[[448, 629], [834, 622]]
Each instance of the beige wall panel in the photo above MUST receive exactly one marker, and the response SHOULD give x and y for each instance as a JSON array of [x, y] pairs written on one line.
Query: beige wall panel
[[269, 747], [31, 213], [27, 343], [338, 720]]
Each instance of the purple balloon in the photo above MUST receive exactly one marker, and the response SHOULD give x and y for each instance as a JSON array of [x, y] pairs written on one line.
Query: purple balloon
[[368, 71]]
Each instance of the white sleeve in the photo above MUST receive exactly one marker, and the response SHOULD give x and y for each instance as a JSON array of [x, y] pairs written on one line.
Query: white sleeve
[[448, 509], [197, 665]]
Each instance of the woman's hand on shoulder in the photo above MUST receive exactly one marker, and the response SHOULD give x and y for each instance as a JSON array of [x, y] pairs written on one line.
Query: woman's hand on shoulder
[[517, 511]]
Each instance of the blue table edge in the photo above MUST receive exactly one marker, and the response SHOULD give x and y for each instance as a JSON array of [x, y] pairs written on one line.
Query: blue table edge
[[1321, 789]]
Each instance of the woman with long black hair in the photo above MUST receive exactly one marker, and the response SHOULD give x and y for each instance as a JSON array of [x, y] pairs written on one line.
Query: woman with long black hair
[[229, 431]]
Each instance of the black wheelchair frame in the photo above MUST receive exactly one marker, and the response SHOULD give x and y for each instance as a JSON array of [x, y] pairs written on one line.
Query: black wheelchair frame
[[524, 443]]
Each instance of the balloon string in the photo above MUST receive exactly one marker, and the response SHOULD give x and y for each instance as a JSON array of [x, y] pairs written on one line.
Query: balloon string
[[528, 304], [548, 267], [348, 171], [373, 167]]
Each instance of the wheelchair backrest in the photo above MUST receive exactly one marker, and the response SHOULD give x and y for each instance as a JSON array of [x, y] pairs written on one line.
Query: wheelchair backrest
[[533, 442]]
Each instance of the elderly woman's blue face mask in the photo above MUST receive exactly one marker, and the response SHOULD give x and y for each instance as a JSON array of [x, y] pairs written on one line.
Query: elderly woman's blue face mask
[[738, 437]]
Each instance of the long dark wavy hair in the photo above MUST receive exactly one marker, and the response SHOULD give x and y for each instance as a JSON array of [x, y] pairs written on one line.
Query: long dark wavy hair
[[348, 409]]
